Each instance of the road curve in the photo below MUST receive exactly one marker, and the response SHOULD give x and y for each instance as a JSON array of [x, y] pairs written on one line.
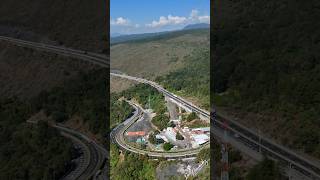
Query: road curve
[[117, 135], [83, 161], [247, 137], [94, 155]]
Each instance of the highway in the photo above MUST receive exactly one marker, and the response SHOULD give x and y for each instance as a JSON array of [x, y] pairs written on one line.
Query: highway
[[247, 137], [94, 155], [117, 136], [95, 58]]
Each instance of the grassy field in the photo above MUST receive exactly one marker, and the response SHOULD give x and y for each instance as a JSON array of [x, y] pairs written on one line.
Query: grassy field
[[156, 56]]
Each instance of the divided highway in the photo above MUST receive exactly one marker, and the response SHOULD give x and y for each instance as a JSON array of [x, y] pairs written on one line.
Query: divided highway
[[98, 59], [246, 136], [117, 136], [94, 155]]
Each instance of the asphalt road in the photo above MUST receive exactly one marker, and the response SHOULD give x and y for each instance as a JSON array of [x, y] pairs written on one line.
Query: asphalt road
[[94, 156], [246, 136], [117, 135]]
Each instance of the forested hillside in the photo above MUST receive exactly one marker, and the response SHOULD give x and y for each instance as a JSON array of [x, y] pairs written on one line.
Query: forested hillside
[[75, 23], [193, 80], [30, 151], [267, 67], [158, 55]]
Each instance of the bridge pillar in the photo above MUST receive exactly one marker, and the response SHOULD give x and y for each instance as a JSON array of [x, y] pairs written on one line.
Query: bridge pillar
[[172, 109]]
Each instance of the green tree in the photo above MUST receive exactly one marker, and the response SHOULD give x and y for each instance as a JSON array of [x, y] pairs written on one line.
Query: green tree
[[265, 170], [204, 154], [192, 116], [167, 146], [179, 136], [152, 138]]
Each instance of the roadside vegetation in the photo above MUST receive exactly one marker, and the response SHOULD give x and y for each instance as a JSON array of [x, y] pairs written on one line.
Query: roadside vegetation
[[192, 80], [267, 64], [167, 146], [38, 151], [265, 170], [120, 110], [144, 94], [84, 96], [30, 151], [131, 166]]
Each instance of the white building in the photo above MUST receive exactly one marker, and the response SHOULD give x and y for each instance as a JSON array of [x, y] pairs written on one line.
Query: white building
[[200, 138]]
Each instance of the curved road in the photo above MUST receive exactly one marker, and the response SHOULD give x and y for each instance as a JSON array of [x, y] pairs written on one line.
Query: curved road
[[247, 137], [94, 155], [118, 133]]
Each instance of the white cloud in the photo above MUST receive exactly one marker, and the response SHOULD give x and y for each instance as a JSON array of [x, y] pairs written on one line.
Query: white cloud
[[194, 14], [120, 21], [170, 20], [204, 19], [194, 17]]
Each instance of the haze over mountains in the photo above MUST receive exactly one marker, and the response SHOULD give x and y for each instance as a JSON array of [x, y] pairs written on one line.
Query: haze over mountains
[[119, 38]]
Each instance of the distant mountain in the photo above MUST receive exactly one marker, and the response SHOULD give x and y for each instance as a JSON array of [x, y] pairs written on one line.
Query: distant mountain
[[197, 26], [132, 37], [116, 35]]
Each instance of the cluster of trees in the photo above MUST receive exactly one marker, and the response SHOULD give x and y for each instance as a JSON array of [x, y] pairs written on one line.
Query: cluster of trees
[[152, 138], [148, 96], [167, 146], [143, 93], [85, 96], [119, 110], [193, 79], [132, 166], [179, 136], [191, 116], [267, 60], [265, 170], [161, 121], [30, 151], [204, 154]]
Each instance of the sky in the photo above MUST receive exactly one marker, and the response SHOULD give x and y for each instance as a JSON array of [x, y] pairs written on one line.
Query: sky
[[146, 16]]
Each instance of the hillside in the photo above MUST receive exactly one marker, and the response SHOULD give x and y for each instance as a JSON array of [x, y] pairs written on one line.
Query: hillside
[[26, 72], [49, 87], [197, 26], [267, 68], [152, 57], [75, 23]]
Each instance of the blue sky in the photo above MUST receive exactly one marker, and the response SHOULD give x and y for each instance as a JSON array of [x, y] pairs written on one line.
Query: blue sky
[[142, 16]]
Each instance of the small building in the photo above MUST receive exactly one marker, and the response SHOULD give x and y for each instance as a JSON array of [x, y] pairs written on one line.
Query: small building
[[159, 136], [170, 133], [136, 133], [203, 129], [141, 140], [200, 138]]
